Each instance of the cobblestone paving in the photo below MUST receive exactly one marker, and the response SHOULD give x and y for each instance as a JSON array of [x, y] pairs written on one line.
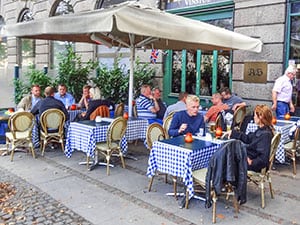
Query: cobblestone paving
[[29, 205]]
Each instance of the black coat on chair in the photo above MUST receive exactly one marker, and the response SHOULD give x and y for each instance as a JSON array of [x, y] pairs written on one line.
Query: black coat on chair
[[228, 164]]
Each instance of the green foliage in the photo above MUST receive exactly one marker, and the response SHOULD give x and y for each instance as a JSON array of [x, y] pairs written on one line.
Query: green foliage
[[32, 76], [114, 83], [73, 73]]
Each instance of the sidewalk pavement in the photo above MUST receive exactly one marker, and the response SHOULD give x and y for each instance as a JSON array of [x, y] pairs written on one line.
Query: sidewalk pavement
[[56, 190]]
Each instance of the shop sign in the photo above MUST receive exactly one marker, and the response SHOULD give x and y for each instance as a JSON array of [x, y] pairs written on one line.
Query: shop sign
[[255, 72], [188, 3]]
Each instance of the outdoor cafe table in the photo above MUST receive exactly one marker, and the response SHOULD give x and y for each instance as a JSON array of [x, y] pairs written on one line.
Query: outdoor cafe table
[[177, 158], [84, 135], [282, 127]]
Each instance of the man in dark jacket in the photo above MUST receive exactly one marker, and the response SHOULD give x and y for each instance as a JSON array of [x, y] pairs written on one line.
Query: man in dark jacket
[[49, 103]]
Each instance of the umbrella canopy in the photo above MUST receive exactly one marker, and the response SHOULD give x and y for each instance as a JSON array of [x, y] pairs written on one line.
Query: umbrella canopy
[[133, 25]]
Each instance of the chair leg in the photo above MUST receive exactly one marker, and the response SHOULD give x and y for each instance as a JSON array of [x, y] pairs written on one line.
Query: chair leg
[[150, 183], [262, 193], [12, 153], [175, 187], [294, 162], [166, 178], [187, 199], [32, 150], [107, 166], [214, 206], [43, 147], [62, 145], [270, 186], [236, 206], [122, 160], [88, 162]]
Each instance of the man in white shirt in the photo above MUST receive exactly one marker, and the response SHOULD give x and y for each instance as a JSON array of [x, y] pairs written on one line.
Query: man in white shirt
[[282, 92], [28, 101]]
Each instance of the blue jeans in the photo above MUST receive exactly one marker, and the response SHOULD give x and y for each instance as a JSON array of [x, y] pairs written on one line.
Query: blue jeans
[[282, 108]]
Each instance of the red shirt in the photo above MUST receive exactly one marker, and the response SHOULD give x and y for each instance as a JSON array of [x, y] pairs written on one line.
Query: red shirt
[[213, 111]]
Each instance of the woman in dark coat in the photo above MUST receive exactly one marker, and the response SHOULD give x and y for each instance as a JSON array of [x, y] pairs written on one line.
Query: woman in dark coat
[[95, 103], [259, 142]]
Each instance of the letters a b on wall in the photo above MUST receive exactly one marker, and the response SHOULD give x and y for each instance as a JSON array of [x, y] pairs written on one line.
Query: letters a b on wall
[[255, 72]]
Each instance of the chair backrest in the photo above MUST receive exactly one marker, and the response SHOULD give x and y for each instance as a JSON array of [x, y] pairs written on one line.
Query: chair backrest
[[116, 130], [274, 145], [296, 138], [134, 111], [166, 123], [101, 110], [21, 122], [119, 111], [154, 132], [238, 116], [53, 119]]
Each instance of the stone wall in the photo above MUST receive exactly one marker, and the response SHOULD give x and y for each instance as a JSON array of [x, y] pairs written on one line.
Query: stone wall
[[265, 20]]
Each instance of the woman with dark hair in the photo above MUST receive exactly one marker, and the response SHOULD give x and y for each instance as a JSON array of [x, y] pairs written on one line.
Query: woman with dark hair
[[258, 142]]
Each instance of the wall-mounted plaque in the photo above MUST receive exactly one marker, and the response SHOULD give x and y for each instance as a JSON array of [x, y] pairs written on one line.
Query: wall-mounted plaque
[[255, 72]]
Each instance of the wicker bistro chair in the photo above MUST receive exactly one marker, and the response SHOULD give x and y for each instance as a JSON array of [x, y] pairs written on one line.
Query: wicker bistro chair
[[115, 132], [119, 111], [20, 125], [156, 132], [238, 117], [259, 178], [166, 124], [52, 123], [292, 149], [101, 110]]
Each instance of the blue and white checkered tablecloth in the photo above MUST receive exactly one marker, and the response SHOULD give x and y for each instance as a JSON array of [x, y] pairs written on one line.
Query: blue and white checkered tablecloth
[[281, 127], [179, 161], [84, 137], [136, 129]]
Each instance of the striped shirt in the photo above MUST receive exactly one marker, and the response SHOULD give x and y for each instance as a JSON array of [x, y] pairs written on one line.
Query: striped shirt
[[144, 106]]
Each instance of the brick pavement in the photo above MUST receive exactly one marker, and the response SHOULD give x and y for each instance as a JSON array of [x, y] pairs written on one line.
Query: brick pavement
[[30, 205]]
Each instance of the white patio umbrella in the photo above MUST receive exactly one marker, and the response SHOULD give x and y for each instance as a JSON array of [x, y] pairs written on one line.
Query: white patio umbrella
[[133, 25]]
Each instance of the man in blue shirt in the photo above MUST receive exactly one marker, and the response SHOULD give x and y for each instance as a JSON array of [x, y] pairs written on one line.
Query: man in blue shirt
[[66, 98], [188, 121], [231, 100]]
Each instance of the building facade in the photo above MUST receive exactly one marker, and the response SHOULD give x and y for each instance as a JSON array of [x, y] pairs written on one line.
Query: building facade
[[250, 75]]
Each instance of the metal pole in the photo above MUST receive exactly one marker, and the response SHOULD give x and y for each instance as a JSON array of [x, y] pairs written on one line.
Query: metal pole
[[45, 69]]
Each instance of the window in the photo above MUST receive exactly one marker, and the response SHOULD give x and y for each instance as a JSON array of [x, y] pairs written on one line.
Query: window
[[61, 7], [3, 48], [25, 47], [294, 33]]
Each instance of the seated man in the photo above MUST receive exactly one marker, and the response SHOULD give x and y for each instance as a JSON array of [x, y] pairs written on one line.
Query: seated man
[[217, 107], [156, 92], [49, 102], [28, 101], [188, 121], [178, 106], [147, 105], [232, 101], [84, 101], [66, 98]]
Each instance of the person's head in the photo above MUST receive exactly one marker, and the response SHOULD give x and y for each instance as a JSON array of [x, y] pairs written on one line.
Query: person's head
[[146, 90], [192, 105], [225, 93], [290, 72], [62, 89], [263, 115], [156, 92], [36, 90], [95, 93], [216, 98], [86, 90], [49, 91], [182, 96]]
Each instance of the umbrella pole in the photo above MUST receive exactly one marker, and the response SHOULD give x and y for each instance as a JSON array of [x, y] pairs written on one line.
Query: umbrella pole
[[130, 97]]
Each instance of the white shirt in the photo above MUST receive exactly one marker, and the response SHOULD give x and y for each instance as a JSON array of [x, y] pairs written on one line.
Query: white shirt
[[284, 89]]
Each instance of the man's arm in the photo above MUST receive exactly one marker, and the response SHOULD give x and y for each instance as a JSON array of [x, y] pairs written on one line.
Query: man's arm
[[274, 99]]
